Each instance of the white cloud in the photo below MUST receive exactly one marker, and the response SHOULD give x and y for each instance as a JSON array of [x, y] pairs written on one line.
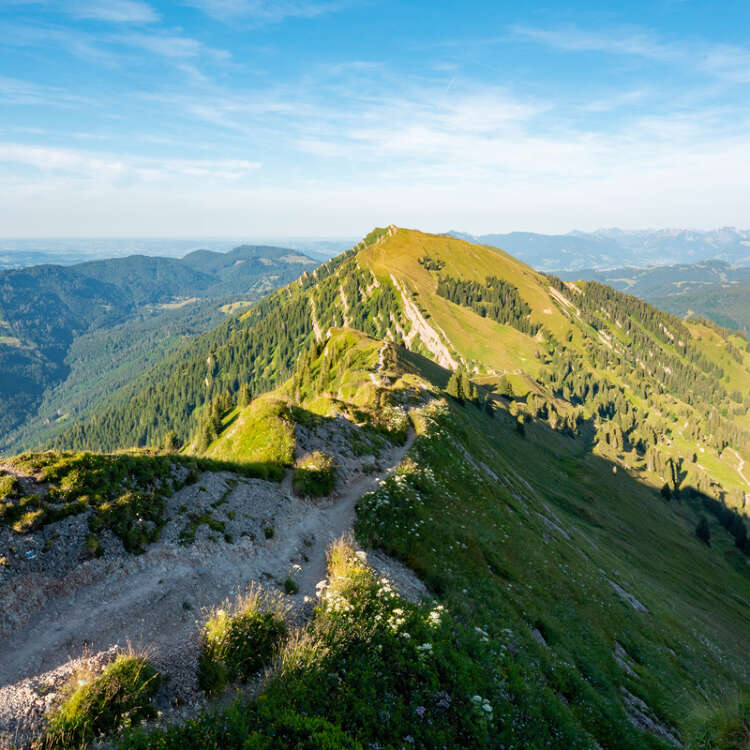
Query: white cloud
[[17, 91], [114, 11], [728, 62], [170, 46], [76, 167], [265, 11]]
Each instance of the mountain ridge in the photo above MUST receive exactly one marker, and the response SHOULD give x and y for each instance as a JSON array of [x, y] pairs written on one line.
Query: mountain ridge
[[390, 282]]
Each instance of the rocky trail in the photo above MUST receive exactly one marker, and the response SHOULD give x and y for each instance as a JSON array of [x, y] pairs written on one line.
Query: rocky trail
[[156, 601]]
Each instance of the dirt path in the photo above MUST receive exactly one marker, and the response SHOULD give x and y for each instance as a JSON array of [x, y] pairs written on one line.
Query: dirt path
[[379, 366], [741, 467], [154, 600], [339, 518]]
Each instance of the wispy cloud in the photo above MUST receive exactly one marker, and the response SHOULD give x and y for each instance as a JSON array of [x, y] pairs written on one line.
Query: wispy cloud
[[112, 48], [114, 11], [16, 91], [616, 101], [729, 62], [266, 11], [170, 45], [87, 166], [622, 41]]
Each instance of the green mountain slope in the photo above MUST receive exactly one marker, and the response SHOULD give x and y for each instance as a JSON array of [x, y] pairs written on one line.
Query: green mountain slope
[[572, 604], [45, 311], [713, 289], [668, 397]]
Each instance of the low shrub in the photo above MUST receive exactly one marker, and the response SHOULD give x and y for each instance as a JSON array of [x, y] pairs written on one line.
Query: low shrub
[[315, 475], [240, 638], [120, 696], [9, 486]]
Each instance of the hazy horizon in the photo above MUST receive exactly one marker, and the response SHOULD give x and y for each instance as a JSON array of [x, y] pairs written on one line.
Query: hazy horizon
[[312, 118]]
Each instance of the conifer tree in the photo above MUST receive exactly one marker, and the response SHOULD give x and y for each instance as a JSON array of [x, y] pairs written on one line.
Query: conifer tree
[[505, 387], [244, 396], [466, 384], [454, 387], [171, 441], [489, 407]]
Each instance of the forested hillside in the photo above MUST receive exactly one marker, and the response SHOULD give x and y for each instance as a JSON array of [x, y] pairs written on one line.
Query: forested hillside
[[46, 310], [658, 391], [713, 289]]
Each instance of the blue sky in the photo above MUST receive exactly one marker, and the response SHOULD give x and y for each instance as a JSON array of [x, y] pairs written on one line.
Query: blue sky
[[328, 117]]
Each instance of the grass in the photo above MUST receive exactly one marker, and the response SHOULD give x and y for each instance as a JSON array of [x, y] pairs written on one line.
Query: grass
[[9, 486], [370, 670], [315, 475], [240, 638], [725, 726], [479, 542], [261, 435], [119, 697], [187, 535]]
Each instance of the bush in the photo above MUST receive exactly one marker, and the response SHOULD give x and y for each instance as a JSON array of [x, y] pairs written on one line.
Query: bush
[[120, 696], [288, 729], [240, 639], [9, 486], [315, 475]]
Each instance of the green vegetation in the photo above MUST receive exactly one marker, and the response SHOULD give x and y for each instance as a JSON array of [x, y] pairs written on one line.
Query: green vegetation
[[96, 326], [117, 698], [258, 435], [239, 639], [565, 539], [724, 727], [495, 299], [713, 289], [370, 670], [315, 475], [124, 493], [461, 388], [9, 486]]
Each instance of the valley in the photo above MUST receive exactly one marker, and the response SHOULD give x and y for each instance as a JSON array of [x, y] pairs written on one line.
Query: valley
[[76, 334]]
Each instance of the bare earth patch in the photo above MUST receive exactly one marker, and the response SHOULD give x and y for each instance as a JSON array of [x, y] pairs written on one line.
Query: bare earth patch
[[224, 532]]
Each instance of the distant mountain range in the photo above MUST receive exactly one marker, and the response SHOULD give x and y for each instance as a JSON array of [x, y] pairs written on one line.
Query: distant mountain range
[[21, 253], [610, 248], [713, 289], [117, 315]]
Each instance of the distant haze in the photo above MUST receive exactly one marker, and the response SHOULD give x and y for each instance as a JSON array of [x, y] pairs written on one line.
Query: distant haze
[[613, 248], [17, 252]]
